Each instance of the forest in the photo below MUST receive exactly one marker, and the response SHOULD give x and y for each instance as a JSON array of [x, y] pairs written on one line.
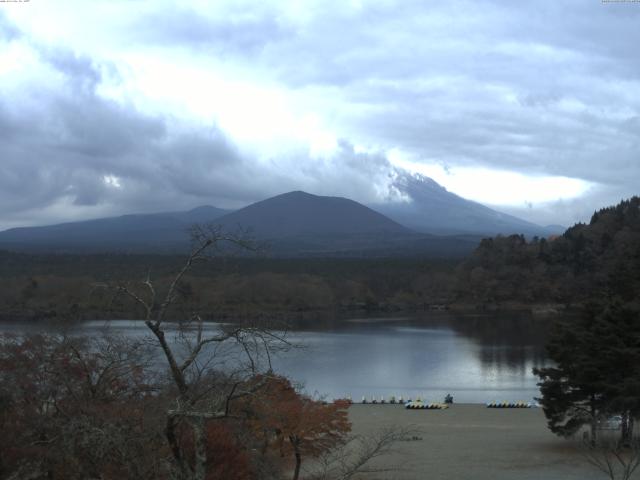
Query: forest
[[62, 287], [601, 255], [503, 272]]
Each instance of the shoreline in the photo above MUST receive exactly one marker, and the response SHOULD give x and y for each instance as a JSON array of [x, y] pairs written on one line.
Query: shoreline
[[340, 314]]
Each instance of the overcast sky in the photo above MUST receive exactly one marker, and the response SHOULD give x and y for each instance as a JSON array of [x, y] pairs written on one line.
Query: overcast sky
[[122, 106]]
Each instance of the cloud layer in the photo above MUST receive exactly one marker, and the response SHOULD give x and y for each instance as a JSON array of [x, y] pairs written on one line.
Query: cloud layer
[[142, 106]]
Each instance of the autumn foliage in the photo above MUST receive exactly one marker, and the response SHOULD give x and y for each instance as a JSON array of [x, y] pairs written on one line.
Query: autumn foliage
[[74, 408], [294, 425]]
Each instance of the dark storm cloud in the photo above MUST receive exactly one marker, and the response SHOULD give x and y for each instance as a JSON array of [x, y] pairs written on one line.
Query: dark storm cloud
[[541, 88], [67, 143], [81, 138], [78, 121], [71, 128], [61, 142]]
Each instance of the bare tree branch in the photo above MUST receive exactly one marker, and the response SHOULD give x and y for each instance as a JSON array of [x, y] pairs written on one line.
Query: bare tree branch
[[358, 454], [613, 459]]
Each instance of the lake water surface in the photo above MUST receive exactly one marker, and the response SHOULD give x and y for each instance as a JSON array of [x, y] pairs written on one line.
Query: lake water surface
[[476, 358]]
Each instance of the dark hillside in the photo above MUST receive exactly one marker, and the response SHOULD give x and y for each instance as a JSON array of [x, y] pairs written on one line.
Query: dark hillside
[[164, 232], [295, 224], [48, 286], [601, 255], [299, 214]]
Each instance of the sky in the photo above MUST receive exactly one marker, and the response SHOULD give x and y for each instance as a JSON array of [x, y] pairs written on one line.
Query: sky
[[124, 106]]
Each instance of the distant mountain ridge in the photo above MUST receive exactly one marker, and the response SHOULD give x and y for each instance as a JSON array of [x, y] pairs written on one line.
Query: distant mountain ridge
[[293, 224], [127, 232], [434, 223], [435, 210]]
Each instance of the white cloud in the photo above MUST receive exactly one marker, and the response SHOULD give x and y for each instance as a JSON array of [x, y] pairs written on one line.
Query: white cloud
[[112, 181], [498, 187]]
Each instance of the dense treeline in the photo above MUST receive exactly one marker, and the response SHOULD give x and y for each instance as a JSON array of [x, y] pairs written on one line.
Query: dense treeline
[[52, 286], [502, 272], [601, 255]]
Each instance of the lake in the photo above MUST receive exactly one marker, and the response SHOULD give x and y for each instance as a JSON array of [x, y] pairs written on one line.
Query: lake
[[476, 358]]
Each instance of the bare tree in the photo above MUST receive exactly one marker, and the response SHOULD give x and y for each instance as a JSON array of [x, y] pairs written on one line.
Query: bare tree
[[205, 389], [358, 455], [612, 458]]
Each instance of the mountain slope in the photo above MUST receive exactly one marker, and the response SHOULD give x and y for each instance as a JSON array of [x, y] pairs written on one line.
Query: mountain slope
[[127, 232], [299, 214], [293, 224], [433, 209], [300, 224]]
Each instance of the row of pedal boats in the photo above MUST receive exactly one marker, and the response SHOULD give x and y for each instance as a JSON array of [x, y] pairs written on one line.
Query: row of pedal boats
[[419, 404]]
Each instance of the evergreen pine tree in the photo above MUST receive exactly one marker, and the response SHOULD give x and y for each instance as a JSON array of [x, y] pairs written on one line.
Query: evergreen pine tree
[[596, 372]]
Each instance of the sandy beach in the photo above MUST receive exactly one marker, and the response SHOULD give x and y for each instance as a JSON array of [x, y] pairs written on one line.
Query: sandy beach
[[475, 442]]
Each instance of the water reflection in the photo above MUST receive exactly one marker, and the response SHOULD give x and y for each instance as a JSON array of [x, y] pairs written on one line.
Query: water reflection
[[476, 358]]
